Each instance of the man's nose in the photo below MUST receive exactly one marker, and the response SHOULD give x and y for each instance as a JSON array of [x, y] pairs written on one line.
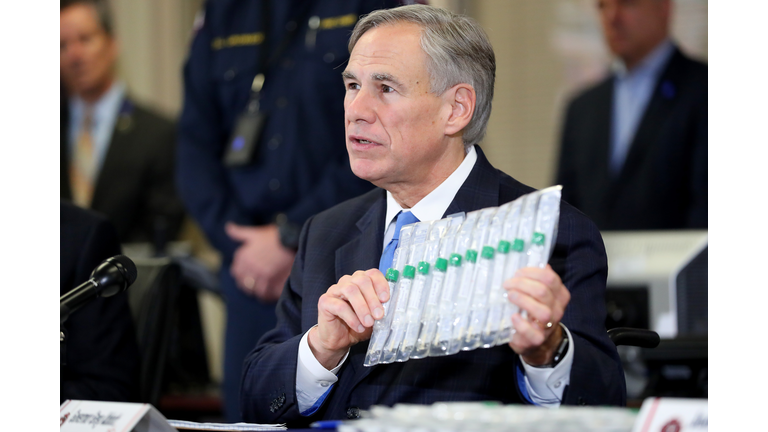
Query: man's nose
[[360, 107]]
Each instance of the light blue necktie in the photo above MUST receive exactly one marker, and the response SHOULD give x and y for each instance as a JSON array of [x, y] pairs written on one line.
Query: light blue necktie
[[402, 219]]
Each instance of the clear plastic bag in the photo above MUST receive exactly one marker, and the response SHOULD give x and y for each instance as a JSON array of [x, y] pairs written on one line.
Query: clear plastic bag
[[516, 260], [409, 280], [381, 327], [421, 289], [458, 270], [431, 315], [475, 290], [547, 217], [447, 279], [490, 317]]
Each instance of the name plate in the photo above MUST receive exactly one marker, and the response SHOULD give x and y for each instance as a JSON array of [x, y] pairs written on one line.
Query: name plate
[[97, 416], [672, 415]]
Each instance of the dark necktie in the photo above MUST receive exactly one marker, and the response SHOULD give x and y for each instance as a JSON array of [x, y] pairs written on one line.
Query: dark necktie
[[402, 219]]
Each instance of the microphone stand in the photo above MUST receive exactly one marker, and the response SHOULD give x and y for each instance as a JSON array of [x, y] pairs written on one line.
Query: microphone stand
[[110, 277]]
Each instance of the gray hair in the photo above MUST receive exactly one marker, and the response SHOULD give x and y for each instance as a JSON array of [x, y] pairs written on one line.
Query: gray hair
[[457, 49], [102, 12]]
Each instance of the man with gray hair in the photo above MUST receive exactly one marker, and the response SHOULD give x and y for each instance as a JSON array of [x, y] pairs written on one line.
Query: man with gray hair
[[419, 85]]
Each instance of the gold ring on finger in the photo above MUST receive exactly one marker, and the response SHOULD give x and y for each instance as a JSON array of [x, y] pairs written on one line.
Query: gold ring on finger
[[249, 282]]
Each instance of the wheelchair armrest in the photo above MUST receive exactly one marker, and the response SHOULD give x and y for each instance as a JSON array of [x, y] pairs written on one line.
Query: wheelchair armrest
[[634, 337]]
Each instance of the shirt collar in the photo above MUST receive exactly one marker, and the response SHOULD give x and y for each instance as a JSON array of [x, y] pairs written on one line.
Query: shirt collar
[[434, 205], [651, 65], [109, 102]]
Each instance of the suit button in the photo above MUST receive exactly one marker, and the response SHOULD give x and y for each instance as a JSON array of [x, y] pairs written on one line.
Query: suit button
[[581, 401], [274, 184], [230, 74], [353, 413], [275, 141], [282, 102], [277, 403]]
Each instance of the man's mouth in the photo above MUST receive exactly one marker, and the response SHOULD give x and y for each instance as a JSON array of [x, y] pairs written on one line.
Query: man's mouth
[[361, 140]]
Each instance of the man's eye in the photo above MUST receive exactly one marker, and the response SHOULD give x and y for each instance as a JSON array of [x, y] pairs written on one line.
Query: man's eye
[[387, 89], [353, 86]]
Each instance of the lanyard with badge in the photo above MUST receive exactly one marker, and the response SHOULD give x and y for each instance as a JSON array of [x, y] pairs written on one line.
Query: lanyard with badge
[[243, 145]]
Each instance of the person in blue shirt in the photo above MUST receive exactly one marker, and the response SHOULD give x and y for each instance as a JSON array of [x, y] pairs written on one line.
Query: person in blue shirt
[[419, 86], [262, 147], [117, 156], [99, 355], [634, 147]]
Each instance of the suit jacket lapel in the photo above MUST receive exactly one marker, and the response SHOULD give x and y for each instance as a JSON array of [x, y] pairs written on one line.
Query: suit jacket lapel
[[117, 152], [363, 253], [65, 189], [480, 189], [603, 112], [656, 113]]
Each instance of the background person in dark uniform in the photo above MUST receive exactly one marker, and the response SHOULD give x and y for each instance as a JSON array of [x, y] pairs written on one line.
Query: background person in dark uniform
[[116, 156], [634, 147], [251, 178], [420, 83], [101, 357]]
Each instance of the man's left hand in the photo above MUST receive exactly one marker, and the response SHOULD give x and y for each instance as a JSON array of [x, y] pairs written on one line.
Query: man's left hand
[[542, 294], [261, 264]]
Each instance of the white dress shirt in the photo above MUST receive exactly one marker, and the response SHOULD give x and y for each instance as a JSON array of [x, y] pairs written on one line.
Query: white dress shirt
[[313, 381]]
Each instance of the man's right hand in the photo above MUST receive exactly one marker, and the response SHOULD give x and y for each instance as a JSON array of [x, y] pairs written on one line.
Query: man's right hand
[[346, 313]]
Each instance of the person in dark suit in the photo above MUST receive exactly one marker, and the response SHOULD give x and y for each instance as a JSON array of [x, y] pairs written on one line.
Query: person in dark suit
[[117, 157], [413, 118], [634, 147], [101, 359], [252, 185]]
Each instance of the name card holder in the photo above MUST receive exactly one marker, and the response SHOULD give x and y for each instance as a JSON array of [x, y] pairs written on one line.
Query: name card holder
[[672, 415], [98, 416]]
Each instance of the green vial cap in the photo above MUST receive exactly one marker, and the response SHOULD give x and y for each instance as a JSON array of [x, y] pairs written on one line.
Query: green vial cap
[[471, 255], [423, 267], [538, 238], [455, 260], [441, 264], [409, 272], [392, 275], [504, 246], [518, 245], [487, 252]]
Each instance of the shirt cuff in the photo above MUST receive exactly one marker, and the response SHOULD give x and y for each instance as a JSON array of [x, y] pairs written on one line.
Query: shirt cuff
[[313, 381], [546, 385]]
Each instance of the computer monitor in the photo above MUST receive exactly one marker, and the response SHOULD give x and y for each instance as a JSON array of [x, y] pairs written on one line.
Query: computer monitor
[[657, 280]]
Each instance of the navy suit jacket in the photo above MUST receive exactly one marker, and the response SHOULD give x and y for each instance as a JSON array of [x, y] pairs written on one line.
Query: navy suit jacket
[[663, 183], [135, 188], [101, 353], [349, 237]]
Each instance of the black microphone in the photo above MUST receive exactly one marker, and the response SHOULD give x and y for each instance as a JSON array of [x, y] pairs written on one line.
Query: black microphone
[[109, 278]]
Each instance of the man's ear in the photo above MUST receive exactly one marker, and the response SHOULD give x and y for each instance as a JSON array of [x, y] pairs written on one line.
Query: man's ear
[[462, 99]]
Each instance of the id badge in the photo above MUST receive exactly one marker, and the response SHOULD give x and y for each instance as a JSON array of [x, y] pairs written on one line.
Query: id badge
[[243, 146]]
